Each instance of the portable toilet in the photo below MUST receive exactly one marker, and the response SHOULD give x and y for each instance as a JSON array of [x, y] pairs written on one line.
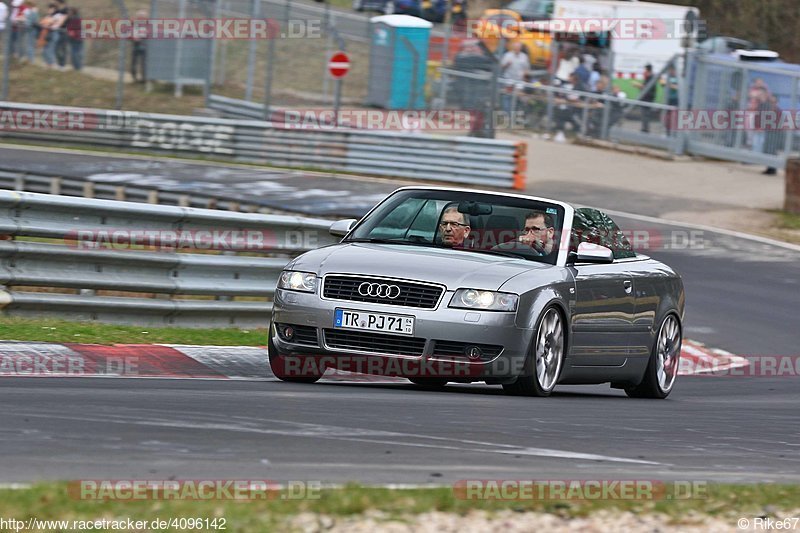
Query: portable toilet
[[397, 61]]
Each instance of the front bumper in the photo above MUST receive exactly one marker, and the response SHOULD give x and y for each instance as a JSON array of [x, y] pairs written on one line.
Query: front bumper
[[478, 328]]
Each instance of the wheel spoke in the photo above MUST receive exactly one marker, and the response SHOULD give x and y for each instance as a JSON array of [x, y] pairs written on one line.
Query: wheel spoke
[[667, 353], [548, 350]]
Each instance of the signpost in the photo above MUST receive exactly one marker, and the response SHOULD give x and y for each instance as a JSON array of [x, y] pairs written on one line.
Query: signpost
[[338, 67]]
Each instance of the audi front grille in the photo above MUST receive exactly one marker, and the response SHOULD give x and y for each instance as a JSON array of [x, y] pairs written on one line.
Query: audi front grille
[[382, 291], [377, 343]]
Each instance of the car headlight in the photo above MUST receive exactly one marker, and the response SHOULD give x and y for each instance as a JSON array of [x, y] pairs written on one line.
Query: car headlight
[[298, 281], [486, 300]]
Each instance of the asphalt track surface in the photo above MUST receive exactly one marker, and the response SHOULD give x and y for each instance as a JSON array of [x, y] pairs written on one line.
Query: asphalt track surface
[[742, 296]]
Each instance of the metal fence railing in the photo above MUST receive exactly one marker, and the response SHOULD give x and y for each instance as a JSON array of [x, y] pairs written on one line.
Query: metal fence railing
[[124, 262], [765, 97], [465, 160]]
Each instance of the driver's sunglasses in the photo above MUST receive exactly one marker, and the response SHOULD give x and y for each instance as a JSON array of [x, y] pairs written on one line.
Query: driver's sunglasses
[[452, 224]]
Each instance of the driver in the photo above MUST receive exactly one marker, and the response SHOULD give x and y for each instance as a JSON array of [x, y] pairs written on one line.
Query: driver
[[538, 232], [454, 227]]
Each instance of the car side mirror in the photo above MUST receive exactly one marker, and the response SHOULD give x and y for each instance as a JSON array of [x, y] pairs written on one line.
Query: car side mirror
[[592, 253], [340, 228]]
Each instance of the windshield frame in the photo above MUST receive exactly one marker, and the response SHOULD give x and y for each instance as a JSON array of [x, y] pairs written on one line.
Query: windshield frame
[[566, 212]]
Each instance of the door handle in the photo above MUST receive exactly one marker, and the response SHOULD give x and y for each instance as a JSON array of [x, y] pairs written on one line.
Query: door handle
[[628, 286]]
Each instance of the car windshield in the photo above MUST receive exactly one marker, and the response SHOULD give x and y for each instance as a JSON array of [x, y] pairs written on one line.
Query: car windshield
[[470, 222]]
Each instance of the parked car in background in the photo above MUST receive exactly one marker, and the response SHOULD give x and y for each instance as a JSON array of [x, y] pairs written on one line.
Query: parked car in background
[[530, 10], [382, 6], [721, 44], [432, 10]]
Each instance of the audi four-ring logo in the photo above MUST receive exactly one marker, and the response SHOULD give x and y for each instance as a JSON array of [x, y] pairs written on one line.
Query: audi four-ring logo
[[379, 290]]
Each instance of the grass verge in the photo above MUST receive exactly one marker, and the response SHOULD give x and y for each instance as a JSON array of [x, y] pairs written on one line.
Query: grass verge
[[788, 220], [51, 330], [53, 501]]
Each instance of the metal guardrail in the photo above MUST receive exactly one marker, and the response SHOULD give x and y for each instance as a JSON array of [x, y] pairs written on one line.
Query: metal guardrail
[[92, 259], [25, 181], [463, 160]]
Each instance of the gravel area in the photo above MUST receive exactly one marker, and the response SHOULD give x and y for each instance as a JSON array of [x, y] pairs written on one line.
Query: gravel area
[[508, 521]]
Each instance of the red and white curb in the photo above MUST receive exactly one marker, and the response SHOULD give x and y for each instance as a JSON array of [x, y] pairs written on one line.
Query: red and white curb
[[225, 362]]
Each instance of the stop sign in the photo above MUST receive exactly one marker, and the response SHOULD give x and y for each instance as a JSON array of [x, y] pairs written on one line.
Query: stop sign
[[339, 65]]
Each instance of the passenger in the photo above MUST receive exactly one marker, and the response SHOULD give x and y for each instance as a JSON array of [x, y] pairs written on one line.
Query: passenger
[[454, 227]]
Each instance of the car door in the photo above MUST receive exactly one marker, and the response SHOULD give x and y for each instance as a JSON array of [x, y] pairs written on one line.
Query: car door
[[604, 307]]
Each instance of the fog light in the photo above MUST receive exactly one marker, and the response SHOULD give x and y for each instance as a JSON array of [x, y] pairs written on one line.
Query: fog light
[[473, 352], [288, 333]]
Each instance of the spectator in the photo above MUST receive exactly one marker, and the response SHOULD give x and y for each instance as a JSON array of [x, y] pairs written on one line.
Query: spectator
[[566, 109], [74, 38], [648, 94], [763, 102], [582, 76], [567, 66], [594, 77], [51, 34], [18, 9], [61, 43], [515, 66], [515, 63], [31, 30], [138, 54], [758, 102], [672, 95], [3, 18]]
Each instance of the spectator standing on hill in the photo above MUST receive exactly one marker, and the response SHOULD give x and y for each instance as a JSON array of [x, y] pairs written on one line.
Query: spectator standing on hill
[[32, 29], [74, 38], [61, 44], [138, 54], [18, 9], [3, 19]]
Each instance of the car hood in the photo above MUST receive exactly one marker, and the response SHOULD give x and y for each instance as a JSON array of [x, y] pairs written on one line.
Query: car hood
[[452, 268]]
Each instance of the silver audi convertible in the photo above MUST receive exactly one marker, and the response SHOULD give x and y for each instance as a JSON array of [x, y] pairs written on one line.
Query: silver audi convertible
[[443, 285]]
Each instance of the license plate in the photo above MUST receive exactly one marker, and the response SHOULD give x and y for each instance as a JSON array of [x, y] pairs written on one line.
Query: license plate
[[364, 320]]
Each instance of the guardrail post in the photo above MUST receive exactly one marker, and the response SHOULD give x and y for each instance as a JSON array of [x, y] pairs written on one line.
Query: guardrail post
[[19, 183], [152, 197], [88, 189], [792, 200], [55, 185], [119, 193], [520, 165]]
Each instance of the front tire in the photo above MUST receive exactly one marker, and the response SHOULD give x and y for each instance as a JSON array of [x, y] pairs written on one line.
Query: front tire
[[277, 363], [662, 369], [543, 365]]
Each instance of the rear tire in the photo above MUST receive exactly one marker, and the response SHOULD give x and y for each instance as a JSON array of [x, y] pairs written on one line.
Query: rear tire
[[662, 369], [543, 365], [278, 365]]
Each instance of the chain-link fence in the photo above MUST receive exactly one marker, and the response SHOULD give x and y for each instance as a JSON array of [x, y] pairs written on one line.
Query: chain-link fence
[[743, 111], [290, 69]]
